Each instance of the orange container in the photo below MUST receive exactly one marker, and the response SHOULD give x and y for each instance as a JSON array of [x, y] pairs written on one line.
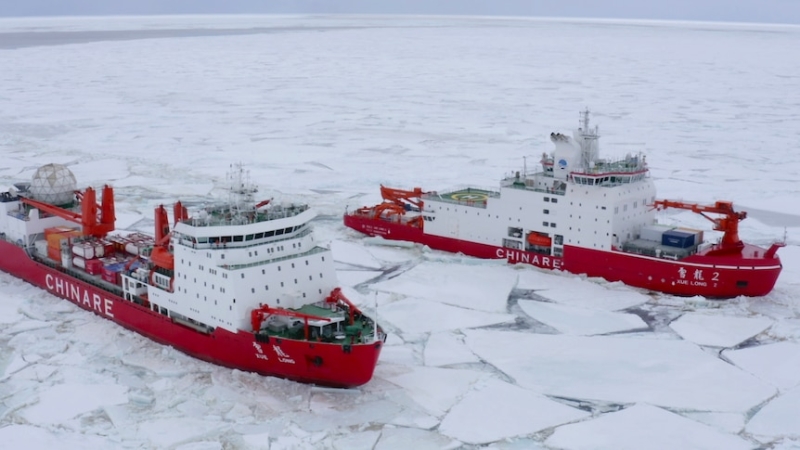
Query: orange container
[[54, 253], [54, 238]]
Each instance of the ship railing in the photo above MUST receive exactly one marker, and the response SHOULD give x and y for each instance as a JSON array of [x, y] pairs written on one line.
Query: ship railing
[[223, 216], [313, 251], [444, 196], [241, 244], [535, 189]]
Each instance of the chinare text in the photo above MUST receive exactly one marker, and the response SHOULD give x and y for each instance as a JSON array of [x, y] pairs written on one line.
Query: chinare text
[[79, 295], [516, 256]]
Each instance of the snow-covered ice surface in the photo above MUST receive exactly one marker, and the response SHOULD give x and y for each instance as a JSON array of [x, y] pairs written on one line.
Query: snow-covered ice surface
[[325, 109]]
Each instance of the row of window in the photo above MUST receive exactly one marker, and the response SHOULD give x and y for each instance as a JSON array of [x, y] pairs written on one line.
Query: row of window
[[246, 237]]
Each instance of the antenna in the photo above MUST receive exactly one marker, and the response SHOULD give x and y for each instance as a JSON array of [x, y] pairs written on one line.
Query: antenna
[[240, 191]]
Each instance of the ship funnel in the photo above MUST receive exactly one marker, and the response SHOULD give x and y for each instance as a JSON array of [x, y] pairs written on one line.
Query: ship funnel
[[179, 213], [162, 224]]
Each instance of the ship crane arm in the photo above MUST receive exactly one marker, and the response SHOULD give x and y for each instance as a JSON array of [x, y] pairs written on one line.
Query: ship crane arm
[[95, 220], [401, 197], [728, 223], [396, 202]]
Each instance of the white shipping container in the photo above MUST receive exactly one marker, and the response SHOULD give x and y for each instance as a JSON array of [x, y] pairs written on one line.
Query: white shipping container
[[84, 250], [132, 249], [79, 262], [41, 247], [654, 232]]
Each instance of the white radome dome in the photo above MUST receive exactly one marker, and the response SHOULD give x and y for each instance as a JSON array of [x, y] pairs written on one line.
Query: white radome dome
[[54, 184]]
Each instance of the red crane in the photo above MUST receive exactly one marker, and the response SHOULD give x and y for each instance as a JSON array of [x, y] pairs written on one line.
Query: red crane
[[728, 223], [395, 204], [95, 220], [161, 255]]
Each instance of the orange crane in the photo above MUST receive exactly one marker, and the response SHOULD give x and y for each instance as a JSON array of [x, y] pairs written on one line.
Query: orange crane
[[728, 223], [395, 204], [95, 220]]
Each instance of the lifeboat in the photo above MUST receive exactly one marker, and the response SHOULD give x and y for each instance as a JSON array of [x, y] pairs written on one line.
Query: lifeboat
[[538, 240]]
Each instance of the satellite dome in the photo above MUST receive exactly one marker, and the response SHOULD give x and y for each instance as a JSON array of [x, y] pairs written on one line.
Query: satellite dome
[[54, 184]]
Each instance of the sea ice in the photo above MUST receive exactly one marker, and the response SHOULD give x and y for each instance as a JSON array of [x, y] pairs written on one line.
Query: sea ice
[[163, 432], [15, 436], [669, 373], [778, 418], [436, 389], [400, 438], [414, 316], [582, 293], [353, 255], [62, 402], [10, 309], [581, 321], [478, 287], [355, 277], [776, 363], [446, 348], [718, 331], [496, 410], [643, 427]]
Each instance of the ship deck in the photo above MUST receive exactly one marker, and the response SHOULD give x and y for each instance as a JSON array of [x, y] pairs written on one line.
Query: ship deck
[[362, 328], [468, 196]]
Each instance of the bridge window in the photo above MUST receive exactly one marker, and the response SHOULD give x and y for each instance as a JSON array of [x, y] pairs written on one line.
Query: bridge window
[[545, 224], [546, 211], [554, 200], [259, 235]]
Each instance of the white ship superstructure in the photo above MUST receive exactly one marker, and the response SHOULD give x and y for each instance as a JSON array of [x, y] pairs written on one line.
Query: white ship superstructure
[[575, 199], [233, 258]]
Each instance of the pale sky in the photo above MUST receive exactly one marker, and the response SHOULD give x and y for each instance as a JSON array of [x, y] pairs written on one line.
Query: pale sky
[[770, 11]]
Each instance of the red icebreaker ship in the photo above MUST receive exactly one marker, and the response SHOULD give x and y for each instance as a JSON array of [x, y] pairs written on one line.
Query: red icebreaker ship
[[584, 215], [240, 284]]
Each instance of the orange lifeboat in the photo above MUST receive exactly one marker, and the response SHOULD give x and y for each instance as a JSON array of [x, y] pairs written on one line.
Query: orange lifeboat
[[538, 240]]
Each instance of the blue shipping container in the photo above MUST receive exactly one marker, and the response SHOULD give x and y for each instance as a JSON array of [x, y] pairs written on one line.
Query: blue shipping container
[[675, 238]]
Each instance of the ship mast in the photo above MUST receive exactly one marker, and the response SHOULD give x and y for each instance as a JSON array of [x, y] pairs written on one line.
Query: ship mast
[[588, 141], [240, 193]]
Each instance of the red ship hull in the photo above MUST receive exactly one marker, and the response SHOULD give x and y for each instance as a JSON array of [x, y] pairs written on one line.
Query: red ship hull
[[324, 364], [746, 273]]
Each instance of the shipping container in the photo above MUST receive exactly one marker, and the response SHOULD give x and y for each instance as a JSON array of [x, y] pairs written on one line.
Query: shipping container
[[59, 230], [83, 249], [77, 261], [654, 232], [54, 253], [41, 247], [110, 277], [94, 266], [54, 239], [675, 238], [698, 234]]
